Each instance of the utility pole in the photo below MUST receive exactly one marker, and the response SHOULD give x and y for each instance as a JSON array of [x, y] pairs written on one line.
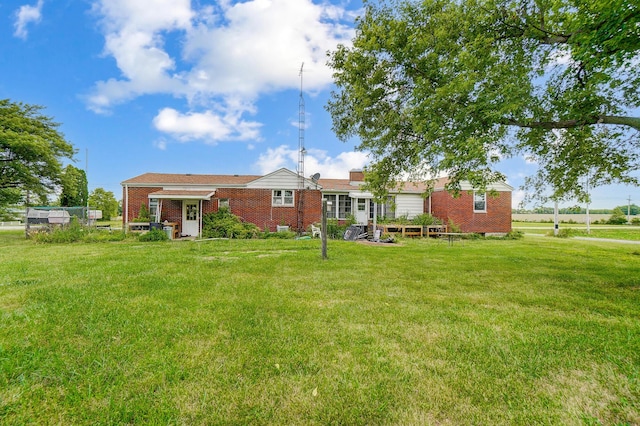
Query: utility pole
[[588, 199], [555, 219], [27, 228]]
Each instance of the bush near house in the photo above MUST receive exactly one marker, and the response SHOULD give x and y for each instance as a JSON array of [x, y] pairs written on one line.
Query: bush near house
[[224, 224]]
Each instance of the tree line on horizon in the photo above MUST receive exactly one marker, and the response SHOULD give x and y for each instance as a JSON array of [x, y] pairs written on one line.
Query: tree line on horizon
[[632, 210]]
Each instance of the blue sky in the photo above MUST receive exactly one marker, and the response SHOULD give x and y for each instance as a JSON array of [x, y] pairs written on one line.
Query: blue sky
[[180, 86]]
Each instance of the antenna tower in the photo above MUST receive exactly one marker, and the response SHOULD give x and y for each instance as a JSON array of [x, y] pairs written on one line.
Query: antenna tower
[[301, 152], [301, 125]]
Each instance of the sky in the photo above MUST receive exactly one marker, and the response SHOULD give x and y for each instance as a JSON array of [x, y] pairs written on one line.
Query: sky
[[193, 86]]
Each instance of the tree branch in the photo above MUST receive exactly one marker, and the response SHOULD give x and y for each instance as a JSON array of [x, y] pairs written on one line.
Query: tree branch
[[633, 122]]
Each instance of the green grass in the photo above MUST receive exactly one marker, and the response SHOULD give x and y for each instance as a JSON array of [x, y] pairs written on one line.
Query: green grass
[[532, 331]]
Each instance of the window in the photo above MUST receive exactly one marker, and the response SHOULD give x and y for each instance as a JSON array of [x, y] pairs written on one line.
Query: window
[[340, 206], [479, 202], [332, 207], [223, 203], [282, 197], [192, 212], [153, 209], [344, 206], [384, 211]]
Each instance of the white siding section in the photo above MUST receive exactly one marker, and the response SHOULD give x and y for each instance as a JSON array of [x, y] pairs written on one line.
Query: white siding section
[[280, 179], [410, 205]]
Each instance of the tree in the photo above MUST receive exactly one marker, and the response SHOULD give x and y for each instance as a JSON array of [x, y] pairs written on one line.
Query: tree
[[31, 150], [104, 200], [618, 217], [75, 188], [448, 86]]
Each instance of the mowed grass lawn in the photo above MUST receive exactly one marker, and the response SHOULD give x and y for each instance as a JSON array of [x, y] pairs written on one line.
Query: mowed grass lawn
[[532, 331], [615, 232]]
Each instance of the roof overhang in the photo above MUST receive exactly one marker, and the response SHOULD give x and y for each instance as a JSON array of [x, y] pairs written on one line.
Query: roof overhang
[[182, 194], [360, 194]]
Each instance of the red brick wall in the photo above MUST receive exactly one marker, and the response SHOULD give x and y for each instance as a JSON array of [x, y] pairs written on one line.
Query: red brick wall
[[137, 196], [252, 205], [497, 218]]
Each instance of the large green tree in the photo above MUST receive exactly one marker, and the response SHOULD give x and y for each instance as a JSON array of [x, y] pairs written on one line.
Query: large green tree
[[104, 200], [75, 188], [31, 151], [454, 86]]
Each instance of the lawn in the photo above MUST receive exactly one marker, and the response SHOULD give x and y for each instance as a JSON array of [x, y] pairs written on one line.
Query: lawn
[[532, 331], [616, 232]]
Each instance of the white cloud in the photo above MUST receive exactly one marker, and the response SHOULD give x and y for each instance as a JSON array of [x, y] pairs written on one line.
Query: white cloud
[[208, 126], [316, 161], [228, 55], [25, 15]]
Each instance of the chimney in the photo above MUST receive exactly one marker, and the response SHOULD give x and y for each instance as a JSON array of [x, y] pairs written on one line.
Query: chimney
[[356, 176]]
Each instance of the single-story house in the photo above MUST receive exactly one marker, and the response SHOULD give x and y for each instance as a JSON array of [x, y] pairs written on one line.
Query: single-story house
[[284, 198]]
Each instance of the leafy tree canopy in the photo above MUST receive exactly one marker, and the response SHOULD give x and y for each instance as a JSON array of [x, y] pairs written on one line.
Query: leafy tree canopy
[[31, 149], [75, 188], [453, 86], [105, 201]]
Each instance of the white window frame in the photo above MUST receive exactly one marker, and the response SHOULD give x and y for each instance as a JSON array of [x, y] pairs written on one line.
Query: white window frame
[[341, 206], [224, 203], [479, 197], [283, 198]]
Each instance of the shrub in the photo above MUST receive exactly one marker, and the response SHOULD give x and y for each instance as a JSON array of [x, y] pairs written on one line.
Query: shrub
[[286, 235], [618, 217], [154, 235], [635, 221], [452, 227], [514, 235], [425, 219], [75, 232], [143, 214], [335, 230], [224, 224]]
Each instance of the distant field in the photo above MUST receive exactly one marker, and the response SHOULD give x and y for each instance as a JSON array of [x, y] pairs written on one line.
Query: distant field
[[487, 332], [617, 232], [580, 218]]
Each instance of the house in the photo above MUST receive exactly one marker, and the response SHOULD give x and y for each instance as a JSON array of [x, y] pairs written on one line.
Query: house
[[279, 198], [283, 198]]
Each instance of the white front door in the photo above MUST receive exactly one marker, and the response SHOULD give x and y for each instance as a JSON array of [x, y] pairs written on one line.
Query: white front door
[[190, 218], [361, 211]]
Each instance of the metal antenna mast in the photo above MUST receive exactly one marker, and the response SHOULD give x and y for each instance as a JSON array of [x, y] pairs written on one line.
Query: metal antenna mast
[[301, 152], [301, 125]]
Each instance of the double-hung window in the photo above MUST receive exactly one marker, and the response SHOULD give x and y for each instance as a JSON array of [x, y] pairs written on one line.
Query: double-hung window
[[282, 197], [480, 202]]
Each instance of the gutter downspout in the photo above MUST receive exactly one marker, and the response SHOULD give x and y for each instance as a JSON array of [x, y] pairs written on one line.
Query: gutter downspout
[[126, 203], [200, 224]]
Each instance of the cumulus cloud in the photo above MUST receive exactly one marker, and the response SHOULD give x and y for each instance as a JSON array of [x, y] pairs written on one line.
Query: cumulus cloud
[[24, 16], [316, 161], [206, 126], [228, 54]]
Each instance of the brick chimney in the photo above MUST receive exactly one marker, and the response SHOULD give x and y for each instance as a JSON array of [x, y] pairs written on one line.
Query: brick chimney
[[356, 175]]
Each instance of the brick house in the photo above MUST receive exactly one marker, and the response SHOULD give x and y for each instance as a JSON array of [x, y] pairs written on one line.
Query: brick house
[[283, 198]]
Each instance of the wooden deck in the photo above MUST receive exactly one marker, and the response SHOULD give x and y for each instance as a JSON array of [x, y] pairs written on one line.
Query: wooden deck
[[412, 230]]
